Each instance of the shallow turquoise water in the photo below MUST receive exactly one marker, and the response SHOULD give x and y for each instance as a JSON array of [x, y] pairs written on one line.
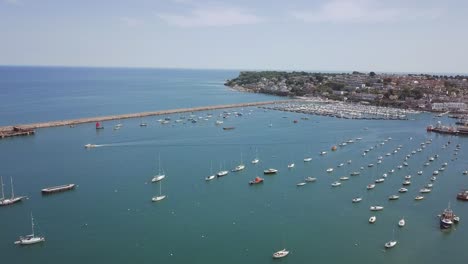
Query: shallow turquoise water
[[109, 217]]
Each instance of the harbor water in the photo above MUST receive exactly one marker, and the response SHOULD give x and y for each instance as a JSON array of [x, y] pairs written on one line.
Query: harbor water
[[110, 218]]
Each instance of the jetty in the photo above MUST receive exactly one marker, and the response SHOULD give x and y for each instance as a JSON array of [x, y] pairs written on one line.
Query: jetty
[[29, 129]]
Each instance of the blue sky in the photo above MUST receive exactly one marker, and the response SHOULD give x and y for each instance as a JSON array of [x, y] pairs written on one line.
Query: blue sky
[[335, 35]]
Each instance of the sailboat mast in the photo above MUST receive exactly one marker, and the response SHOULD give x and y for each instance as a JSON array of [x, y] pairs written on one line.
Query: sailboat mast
[[160, 183], [12, 192], [1, 182], [32, 224]]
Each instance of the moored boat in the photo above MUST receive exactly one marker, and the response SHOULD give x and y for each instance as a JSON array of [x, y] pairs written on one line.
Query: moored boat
[[310, 179], [30, 239], [376, 208], [463, 195], [357, 199], [60, 188], [257, 180], [393, 197], [280, 254], [372, 219], [402, 222], [402, 190], [270, 171], [336, 184]]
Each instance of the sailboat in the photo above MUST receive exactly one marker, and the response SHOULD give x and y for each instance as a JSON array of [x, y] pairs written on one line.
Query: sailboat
[[160, 174], [239, 167], [13, 199], [160, 196], [256, 160], [212, 176], [392, 242], [30, 239]]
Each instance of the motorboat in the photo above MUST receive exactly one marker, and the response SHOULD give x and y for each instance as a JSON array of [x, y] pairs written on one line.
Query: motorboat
[[340, 165], [408, 177], [384, 175], [255, 161], [301, 184], [355, 173], [419, 197], [370, 186], [393, 197], [372, 219], [425, 190], [323, 153], [400, 167], [270, 171], [370, 165], [376, 208], [402, 190], [429, 185], [436, 172], [433, 178], [344, 178], [329, 169], [310, 179], [446, 218], [357, 199], [420, 172], [290, 166], [380, 180], [401, 223], [336, 184], [257, 180], [307, 159], [280, 254], [90, 145]]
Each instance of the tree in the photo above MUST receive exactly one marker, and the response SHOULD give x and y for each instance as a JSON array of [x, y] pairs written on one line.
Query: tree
[[372, 74]]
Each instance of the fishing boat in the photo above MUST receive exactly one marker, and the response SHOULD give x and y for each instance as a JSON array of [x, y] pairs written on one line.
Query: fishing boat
[[307, 159], [402, 190], [310, 179], [419, 198], [446, 218], [330, 170], [336, 184], [30, 239], [376, 208], [357, 199], [12, 200], [270, 171], [393, 197], [280, 254], [370, 186], [60, 188], [463, 195], [372, 219], [257, 180], [401, 223], [160, 174]]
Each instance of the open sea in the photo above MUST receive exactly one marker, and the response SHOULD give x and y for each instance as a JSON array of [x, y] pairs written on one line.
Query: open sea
[[110, 218]]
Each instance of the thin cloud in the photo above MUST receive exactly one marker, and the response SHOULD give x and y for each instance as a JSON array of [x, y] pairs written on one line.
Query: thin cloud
[[363, 11], [131, 22], [13, 2], [211, 17]]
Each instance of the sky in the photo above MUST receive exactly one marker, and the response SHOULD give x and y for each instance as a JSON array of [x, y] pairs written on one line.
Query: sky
[[313, 35]]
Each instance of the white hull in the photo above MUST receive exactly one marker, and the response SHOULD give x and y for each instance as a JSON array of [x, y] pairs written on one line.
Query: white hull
[[209, 178], [29, 241], [158, 178], [158, 198]]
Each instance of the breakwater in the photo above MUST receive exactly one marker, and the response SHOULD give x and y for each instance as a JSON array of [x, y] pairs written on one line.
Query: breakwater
[[6, 129]]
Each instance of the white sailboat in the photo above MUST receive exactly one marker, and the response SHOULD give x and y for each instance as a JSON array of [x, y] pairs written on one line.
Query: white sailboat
[[239, 167], [30, 239], [401, 223], [160, 174], [256, 160], [212, 176], [13, 199], [160, 196], [392, 242]]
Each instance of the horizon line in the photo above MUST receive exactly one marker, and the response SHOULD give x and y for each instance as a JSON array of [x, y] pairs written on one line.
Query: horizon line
[[223, 69]]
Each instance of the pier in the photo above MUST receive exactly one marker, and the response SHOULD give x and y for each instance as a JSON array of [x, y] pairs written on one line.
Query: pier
[[28, 129]]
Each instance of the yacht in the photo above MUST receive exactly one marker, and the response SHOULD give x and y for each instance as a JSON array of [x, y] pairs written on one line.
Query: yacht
[[222, 173], [429, 185], [12, 200], [433, 178], [239, 168], [160, 174]]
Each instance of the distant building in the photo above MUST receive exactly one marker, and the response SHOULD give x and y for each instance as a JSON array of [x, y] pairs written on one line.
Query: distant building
[[448, 106]]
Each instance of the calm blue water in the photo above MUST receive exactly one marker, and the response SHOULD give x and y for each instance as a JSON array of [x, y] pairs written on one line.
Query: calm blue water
[[110, 218]]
